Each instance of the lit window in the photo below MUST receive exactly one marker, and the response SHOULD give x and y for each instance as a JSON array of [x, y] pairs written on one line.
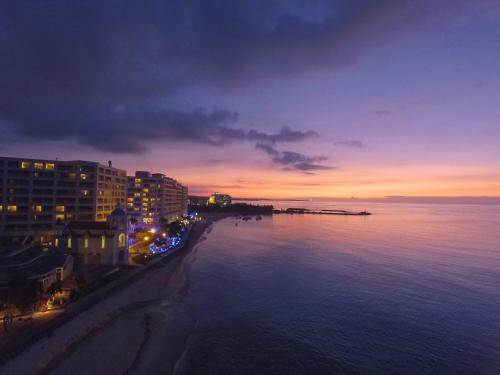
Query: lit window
[[69, 242], [85, 242], [60, 208], [146, 190], [1, 208], [130, 204], [38, 208], [137, 194], [122, 239], [56, 242], [84, 176], [12, 208], [84, 192], [103, 241], [50, 166], [137, 180], [59, 216], [38, 165], [72, 175], [25, 164]]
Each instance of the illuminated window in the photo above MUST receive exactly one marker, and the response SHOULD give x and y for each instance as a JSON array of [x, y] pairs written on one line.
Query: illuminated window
[[36, 174], [38, 165], [137, 180], [56, 242], [103, 241], [122, 239], [86, 242], [101, 192], [59, 216], [1, 208], [25, 164], [38, 208], [60, 208], [12, 208], [84, 176], [69, 242], [130, 199], [84, 192], [130, 204], [50, 166], [146, 190], [72, 175]]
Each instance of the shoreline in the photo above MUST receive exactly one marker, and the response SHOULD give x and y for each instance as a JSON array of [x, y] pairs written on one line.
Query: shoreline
[[161, 285]]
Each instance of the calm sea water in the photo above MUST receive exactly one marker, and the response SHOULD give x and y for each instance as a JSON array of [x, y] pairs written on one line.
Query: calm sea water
[[413, 289]]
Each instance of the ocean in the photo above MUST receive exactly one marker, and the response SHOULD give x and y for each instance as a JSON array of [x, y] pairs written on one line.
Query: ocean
[[411, 289]]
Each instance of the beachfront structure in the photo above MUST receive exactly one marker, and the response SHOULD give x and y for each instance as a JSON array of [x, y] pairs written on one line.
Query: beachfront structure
[[218, 199], [97, 242], [36, 195], [152, 197], [33, 264]]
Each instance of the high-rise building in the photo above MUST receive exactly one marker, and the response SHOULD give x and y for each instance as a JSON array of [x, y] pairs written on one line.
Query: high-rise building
[[218, 199], [36, 195], [154, 196]]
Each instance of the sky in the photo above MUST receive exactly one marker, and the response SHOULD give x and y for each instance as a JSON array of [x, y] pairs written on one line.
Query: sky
[[261, 98]]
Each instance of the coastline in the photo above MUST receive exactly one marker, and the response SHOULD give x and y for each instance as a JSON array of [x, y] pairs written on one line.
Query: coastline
[[130, 317]]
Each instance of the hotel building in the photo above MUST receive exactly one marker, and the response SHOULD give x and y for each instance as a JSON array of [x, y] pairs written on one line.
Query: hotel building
[[35, 195], [152, 197]]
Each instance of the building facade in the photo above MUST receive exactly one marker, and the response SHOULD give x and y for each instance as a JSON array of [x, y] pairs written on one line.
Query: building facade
[[36, 195], [218, 199], [152, 197], [97, 242]]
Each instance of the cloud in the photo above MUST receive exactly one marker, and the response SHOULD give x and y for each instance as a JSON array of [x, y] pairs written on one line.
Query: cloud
[[93, 71], [294, 161], [270, 150], [352, 143], [382, 113]]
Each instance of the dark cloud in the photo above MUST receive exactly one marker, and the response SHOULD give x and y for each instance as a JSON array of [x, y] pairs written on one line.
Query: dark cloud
[[95, 71], [382, 113], [294, 161], [270, 150], [352, 143]]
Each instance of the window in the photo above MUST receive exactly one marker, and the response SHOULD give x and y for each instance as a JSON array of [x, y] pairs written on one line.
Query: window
[[1, 208], [50, 166], [38, 208], [25, 164], [122, 239], [60, 208], [59, 216], [86, 242], [84, 192], [56, 242], [103, 241], [12, 208], [38, 165], [84, 176], [69, 242]]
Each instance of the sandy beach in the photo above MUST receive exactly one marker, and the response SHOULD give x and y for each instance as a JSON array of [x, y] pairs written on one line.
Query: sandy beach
[[124, 333]]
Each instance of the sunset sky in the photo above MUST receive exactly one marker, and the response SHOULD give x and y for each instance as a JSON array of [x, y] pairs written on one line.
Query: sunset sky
[[261, 98]]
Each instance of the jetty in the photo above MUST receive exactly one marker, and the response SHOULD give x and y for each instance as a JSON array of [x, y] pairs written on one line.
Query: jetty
[[302, 211], [246, 210]]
